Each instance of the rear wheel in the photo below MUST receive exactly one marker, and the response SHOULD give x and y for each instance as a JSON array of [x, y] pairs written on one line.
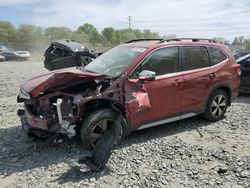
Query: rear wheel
[[216, 106], [96, 124]]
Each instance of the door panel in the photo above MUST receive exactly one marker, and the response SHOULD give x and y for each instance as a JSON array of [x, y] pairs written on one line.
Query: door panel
[[203, 79], [165, 94], [197, 85]]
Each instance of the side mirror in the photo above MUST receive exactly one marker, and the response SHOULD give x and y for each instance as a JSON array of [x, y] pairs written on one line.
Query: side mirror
[[147, 75]]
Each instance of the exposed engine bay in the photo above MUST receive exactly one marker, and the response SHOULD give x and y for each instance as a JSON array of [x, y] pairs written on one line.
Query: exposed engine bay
[[60, 110]]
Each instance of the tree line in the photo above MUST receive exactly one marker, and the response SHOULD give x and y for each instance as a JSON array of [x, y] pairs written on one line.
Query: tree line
[[28, 37], [34, 38]]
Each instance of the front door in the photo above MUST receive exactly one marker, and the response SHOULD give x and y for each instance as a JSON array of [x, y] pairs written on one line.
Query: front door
[[165, 92]]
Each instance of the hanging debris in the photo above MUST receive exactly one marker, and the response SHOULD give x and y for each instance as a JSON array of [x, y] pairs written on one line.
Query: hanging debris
[[100, 155]]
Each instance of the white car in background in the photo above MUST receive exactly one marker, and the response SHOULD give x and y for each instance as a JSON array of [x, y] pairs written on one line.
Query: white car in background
[[23, 54], [2, 58]]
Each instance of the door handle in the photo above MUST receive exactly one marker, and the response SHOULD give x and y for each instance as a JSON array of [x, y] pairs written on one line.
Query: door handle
[[177, 82], [212, 75]]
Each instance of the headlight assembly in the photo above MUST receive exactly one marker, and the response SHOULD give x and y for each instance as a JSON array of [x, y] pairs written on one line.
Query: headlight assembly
[[24, 94]]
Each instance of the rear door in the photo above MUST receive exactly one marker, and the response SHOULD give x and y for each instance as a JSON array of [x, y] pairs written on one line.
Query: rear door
[[198, 78], [165, 92]]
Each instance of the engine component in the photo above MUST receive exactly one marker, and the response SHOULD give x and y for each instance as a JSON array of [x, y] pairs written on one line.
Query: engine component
[[65, 125]]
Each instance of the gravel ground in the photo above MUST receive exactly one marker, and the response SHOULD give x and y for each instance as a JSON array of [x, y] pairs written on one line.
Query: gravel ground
[[188, 153]]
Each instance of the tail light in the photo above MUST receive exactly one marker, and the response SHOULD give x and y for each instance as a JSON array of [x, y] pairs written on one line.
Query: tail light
[[237, 68]]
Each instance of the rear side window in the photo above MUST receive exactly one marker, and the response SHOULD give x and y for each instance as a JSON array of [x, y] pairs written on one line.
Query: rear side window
[[217, 55], [195, 57]]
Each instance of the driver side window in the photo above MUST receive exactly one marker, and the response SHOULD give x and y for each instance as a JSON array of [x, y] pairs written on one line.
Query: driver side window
[[162, 61]]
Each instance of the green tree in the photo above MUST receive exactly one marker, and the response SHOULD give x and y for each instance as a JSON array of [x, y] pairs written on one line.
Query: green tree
[[247, 44], [7, 33], [55, 33], [148, 34], [93, 35], [79, 37], [110, 35]]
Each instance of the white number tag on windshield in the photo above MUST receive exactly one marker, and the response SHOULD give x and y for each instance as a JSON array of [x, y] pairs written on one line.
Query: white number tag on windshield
[[136, 49]]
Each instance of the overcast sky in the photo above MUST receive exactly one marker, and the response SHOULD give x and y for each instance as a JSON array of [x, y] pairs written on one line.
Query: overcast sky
[[185, 18]]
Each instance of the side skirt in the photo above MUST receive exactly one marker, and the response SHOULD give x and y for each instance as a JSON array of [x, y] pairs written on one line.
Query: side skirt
[[168, 120]]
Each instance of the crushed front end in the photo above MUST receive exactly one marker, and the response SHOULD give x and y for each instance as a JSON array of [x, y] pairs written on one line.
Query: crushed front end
[[53, 113], [59, 109]]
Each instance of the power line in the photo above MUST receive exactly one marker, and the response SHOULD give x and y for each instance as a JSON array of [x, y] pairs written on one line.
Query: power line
[[236, 17], [200, 30]]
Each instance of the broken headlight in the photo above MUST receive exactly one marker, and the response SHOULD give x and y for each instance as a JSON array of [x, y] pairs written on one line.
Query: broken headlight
[[23, 94]]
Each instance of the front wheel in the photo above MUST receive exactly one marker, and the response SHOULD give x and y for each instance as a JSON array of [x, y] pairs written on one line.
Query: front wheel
[[216, 106], [96, 124]]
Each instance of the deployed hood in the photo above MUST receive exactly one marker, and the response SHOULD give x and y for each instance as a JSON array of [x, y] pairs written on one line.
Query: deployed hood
[[54, 79]]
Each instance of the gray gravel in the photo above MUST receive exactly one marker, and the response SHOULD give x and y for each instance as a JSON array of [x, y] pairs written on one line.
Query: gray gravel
[[188, 153]]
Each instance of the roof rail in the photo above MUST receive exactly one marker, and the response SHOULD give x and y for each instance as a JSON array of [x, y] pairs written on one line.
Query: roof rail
[[192, 39], [139, 40]]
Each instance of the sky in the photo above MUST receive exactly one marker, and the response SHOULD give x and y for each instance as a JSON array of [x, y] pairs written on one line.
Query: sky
[[185, 18]]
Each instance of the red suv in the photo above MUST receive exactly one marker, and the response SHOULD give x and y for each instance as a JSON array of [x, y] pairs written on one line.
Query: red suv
[[146, 82]]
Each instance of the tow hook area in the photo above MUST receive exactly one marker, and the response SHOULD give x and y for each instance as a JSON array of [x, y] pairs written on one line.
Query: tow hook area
[[25, 124], [65, 125]]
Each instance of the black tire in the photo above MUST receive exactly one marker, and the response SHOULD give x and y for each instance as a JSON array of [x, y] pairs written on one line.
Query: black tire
[[216, 106], [90, 125]]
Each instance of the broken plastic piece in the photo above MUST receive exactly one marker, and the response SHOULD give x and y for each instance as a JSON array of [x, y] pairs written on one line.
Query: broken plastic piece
[[102, 151], [139, 100]]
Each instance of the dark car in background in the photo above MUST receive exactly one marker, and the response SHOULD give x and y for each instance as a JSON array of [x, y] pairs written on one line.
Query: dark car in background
[[16, 55], [66, 53], [240, 54], [245, 73]]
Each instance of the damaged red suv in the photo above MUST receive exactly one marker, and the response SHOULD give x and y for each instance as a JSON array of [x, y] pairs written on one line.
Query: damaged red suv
[[147, 82]]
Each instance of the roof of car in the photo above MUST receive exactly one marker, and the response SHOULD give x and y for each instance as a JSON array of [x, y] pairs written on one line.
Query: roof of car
[[156, 44], [146, 43]]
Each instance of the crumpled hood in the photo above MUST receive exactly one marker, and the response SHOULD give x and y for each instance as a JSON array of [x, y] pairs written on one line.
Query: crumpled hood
[[54, 79]]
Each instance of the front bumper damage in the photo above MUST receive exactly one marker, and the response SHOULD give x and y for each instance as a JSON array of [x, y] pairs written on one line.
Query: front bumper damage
[[40, 125], [61, 112], [32, 131]]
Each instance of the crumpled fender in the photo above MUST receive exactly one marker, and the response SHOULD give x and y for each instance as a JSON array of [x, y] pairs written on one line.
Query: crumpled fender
[[136, 98]]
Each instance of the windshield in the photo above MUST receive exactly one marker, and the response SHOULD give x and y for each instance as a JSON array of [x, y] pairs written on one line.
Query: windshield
[[115, 61]]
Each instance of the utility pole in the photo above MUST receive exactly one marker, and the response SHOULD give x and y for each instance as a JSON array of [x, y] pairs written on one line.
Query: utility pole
[[129, 22]]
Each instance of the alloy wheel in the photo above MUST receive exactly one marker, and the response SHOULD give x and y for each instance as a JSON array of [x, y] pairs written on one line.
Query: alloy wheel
[[218, 106], [98, 130]]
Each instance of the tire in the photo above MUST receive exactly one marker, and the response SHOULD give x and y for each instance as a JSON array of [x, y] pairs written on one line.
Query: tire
[[93, 126], [216, 106]]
